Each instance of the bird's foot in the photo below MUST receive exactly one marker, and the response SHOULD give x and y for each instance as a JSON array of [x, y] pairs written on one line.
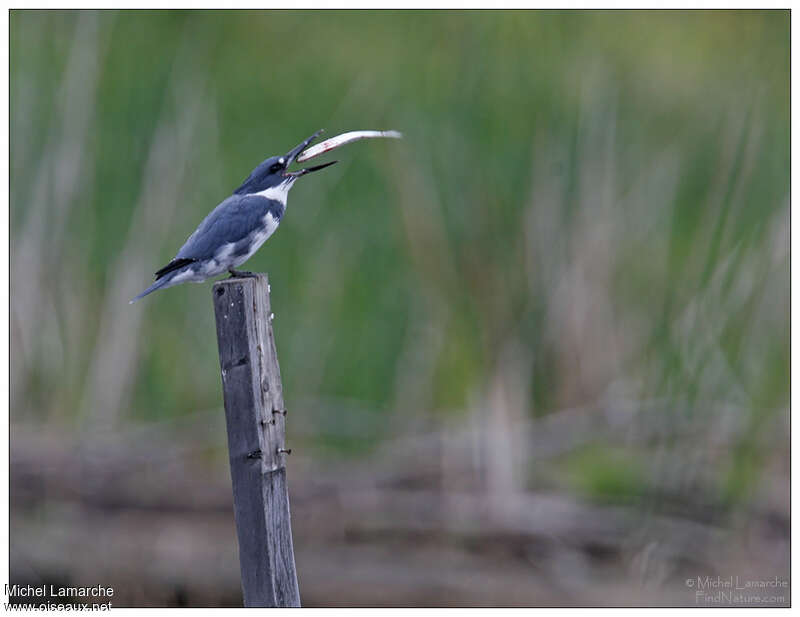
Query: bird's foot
[[241, 274]]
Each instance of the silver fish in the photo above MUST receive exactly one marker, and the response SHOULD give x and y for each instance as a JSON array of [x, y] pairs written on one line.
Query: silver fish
[[340, 140]]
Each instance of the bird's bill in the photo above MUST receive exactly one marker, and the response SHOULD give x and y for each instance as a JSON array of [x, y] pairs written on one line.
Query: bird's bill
[[308, 170], [294, 152]]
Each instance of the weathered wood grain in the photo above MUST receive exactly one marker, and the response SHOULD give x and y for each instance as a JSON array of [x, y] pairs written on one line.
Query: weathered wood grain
[[255, 418]]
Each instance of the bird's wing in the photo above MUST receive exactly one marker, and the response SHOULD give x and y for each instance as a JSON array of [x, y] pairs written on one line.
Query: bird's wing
[[231, 221], [175, 264]]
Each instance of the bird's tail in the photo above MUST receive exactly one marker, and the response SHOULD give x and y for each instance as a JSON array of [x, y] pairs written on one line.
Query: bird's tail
[[164, 281]]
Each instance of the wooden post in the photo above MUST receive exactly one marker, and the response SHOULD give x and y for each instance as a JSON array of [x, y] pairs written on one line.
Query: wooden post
[[255, 416]]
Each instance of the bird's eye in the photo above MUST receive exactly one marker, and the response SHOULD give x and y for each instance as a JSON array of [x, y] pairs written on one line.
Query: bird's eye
[[276, 167]]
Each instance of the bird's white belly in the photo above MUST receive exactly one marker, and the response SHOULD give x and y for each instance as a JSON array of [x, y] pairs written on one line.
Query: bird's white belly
[[189, 275], [257, 238]]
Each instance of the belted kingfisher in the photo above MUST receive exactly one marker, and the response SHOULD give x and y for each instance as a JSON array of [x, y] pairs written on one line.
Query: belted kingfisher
[[237, 227]]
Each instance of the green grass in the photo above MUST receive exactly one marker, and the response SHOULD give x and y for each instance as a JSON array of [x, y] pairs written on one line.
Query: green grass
[[606, 191]]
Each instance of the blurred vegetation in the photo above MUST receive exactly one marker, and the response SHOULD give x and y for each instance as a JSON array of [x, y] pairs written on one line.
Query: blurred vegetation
[[587, 207], [664, 133]]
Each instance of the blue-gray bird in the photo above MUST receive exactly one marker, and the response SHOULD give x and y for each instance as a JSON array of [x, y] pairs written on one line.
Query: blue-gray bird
[[237, 227]]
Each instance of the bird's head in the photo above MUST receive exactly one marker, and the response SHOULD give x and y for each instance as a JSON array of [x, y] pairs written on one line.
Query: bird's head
[[273, 172]]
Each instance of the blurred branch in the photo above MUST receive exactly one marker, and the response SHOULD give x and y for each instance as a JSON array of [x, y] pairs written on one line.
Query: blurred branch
[[124, 488]]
